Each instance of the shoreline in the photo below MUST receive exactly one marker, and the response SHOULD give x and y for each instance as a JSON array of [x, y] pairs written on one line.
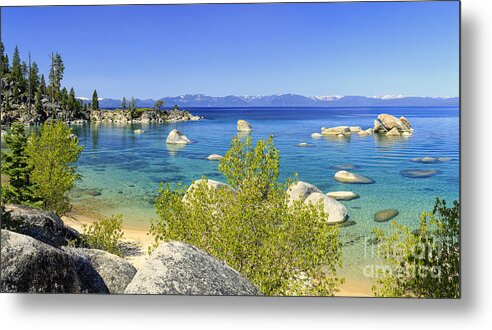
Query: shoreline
[[139, 240]]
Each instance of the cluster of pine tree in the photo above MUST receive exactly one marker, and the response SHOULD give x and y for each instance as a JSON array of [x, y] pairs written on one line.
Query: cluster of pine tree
[[26, 92]]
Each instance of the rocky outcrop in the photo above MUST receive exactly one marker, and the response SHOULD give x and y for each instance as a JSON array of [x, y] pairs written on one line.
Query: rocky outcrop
[[339, 130], [176, 137], [29, 265], [301, 190], [42, 225], [178, 268], [116, 273], [348, 177], [336, 211], [147, 116], [343, 195], [244, 126], [392, 126]]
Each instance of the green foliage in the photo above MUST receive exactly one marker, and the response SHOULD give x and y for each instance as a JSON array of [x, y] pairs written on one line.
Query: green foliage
[[15, 165], [57, 69], [424, 263], [123, 103], [95, 101], [158, 104], [51, 155], [282, 249], [104, 235]]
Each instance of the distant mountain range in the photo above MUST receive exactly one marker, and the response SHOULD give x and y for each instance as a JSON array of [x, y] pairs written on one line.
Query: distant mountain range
[[287, 100]]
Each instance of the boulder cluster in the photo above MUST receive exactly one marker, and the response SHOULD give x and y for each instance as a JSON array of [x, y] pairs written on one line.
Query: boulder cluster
[[392, 126]]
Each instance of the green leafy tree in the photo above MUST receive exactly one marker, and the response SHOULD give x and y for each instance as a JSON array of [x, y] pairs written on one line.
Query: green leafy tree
[[95, 101], [104, 235], [51, 155], [283, 248], [424, 263], [15, 164], [158, 104]]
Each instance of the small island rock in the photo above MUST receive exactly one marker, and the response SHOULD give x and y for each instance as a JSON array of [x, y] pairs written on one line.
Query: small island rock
[[348, 177], [176, 137], [244, 126]]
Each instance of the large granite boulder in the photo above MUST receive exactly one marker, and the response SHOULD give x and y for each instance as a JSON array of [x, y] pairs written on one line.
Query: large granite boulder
[[301, 190], [29, 265], [336, 211], [115, 272], [244, 126], [339, 130], [348, 177], [180, 268], [176, 137], [386, 123], [42, 225]]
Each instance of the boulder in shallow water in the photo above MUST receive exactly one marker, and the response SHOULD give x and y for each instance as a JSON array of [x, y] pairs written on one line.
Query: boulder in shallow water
[[29, 265], [115, 271], [301, 190], [419, 173], [215, 157], [138, 131], [355, 129], [182, 269], [343, 195], [348, 177], [304, 144], [336, 211], [339, 130], [316, 135], [42, 225], [431, 160], [244, 126], [345, 166], [176, 137], [385, 215], [393, 132]]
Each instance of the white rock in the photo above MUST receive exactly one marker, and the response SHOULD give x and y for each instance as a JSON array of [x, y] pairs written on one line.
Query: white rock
[[316, 135], [244, 126], [336, 211], [215, 157], [301, 190], [176, 137], [355, 129], [343, 195], [347, 177], [138, 131]]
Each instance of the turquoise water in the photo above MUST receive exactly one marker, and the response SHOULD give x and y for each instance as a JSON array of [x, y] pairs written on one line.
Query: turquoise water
[[126, 169]]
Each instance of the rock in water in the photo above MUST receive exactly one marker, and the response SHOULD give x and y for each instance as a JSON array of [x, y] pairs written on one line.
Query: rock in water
[[180, 268], [176, 137], [336, 211], [301, 190], [215, 157], [316, 135], [393, 132], [355, 129], [391, 125], [347, 177], [419, 173], [345, 167], [343, 195], [42, 225], [138, 131], [244, 126], [116, 272], [339, 130], [304, 144], [385, 215], [29, 265]]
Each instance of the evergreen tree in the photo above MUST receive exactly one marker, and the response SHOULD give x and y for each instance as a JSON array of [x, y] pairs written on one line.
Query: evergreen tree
[[16, 75], [95, 101], [33, 80], [158, 104], [132, 106], [4, 65], [123, 103], [56, 74], [43, 85], [38, 104], [15, 164]]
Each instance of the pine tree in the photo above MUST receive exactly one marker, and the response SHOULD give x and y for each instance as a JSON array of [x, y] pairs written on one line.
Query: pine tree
[[33, 80], [123, 103], [57, 69], [95, 101], [43, 85], [38, 104], [15, 164], [4, 65]]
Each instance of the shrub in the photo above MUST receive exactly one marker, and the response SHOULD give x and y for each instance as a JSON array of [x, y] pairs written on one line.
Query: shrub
[[51, 155], [424, 263], [104, 235], [282, 250]]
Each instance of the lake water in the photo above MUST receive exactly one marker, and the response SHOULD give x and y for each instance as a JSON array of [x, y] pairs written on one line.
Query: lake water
[[124, 170]]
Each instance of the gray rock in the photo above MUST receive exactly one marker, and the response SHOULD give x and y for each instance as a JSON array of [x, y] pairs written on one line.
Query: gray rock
[[347, 177], [29, 265], [180, 268], [336, 211], [301, 190], [415, 174], [343, 195], [385, 215], [345, 167], [42, 225], [115, 271]]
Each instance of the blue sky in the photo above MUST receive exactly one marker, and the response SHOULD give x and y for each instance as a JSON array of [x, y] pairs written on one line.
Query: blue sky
[[309, 49]]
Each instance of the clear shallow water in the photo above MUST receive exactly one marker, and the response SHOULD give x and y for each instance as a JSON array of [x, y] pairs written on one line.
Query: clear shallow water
[[126, 169]]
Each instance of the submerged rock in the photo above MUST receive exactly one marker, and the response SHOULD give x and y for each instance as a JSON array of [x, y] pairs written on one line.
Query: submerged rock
[[304, 144], [42, 225], [316, 135], [180, 268], [348, 177], [419, 173], [215, 157], [431, 160], [385, 215], [343, 195], [336, 211], [176, 137], [301, 190], [29, 265], [138, 131], [244, 126], [345, 167]]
